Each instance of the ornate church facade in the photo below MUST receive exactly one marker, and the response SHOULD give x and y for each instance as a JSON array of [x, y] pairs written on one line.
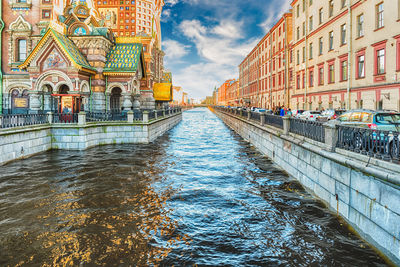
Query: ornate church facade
[[63, 55]]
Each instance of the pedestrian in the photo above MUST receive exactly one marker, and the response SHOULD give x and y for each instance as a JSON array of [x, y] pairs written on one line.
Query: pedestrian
[[282, 111], [289, 112]]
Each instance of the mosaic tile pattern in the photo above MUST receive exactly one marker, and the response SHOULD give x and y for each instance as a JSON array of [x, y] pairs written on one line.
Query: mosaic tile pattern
[[124, 58]]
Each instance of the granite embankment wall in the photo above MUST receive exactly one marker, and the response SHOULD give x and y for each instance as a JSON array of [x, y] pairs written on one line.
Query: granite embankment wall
[[21, 142], [366, 196]]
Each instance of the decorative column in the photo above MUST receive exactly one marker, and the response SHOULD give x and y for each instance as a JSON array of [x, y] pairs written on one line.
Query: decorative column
[[131, 116], [127, 102], [136, 102], [47, 101], [34, 102], [145, 116], [50, 116]]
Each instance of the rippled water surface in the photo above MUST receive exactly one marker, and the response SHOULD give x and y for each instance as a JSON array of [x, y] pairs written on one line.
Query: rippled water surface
[[200, 195]]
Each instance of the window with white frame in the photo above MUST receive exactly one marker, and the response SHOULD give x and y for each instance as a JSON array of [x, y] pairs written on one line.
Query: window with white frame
[[379, 16], [360, 25]]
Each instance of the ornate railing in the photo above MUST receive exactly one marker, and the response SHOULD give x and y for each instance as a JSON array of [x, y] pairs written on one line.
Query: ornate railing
[[255, 116], [17, 120], [274, 120], [65, 118], [160, 113], [152, 114], [310, 129], [374, 143], [106, 116]]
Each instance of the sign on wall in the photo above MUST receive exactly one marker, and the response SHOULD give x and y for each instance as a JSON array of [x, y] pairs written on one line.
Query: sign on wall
[[20, 102]]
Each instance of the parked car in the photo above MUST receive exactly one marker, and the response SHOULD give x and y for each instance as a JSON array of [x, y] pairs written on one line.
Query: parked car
[[310, 115], [297, 112], [372, 119], [259, 110], [330, 114], [388, 121]]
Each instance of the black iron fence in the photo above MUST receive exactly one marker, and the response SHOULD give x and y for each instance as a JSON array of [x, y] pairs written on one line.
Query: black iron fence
[[17, 120], [274, 120], [310, 129], [255, 116], [65, 118], [152, 114], [374, 143], [106, 116], [160, 113]]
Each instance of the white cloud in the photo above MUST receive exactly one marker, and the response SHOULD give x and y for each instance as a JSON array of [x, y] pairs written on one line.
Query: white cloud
[[174, 50], [274, 12], [216, 44], [171, 2], [220, 48]]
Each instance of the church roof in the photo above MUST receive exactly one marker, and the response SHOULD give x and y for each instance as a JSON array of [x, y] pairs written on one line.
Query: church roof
[[66, 45], [124, 58]]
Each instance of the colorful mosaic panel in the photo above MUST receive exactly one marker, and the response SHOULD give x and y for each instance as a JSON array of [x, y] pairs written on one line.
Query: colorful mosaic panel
[[167, 77], [124, 57], [72, 50]]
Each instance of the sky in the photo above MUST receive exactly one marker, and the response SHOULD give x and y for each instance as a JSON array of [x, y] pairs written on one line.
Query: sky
[[205, 40]]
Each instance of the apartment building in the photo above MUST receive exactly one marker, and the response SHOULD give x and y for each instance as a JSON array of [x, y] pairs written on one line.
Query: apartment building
[[131, 17], [264, 73], [346, 54], [223, 92], [232, 93]]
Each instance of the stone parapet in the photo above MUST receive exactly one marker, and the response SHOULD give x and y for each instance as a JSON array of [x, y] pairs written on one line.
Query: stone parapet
[[21, 142], [362, 190]]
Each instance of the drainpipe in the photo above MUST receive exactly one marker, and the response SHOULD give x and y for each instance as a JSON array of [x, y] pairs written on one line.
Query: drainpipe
[[285, 57], [105, 93], [306, 57], [1, 47], [270, 71], [349, 57], [91, 94], [258, 77]]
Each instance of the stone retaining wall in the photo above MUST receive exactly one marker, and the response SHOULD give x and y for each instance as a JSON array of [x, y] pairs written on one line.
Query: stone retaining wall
[[17, 143], [355, 190]]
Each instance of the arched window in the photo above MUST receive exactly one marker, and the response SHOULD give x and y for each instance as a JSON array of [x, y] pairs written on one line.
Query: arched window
[[115, 99], [22, 51]]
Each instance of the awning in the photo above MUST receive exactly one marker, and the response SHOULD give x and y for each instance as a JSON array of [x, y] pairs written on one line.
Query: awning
[[162, 91]]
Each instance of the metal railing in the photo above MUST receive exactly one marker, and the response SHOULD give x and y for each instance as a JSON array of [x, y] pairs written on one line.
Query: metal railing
[[18, 120], [65, 118], [310, 129], [374, 143], [106, 116], [255, 116], [274, 120], [160, 113], [152, 114]]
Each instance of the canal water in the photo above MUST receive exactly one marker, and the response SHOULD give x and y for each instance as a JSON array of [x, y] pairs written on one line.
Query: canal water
[[199, 196]]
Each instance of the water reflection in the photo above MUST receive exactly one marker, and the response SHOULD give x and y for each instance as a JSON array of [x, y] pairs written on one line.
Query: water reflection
[[200, 195]]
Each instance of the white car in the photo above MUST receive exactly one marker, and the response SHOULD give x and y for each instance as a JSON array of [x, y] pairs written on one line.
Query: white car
[[310, 115]]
